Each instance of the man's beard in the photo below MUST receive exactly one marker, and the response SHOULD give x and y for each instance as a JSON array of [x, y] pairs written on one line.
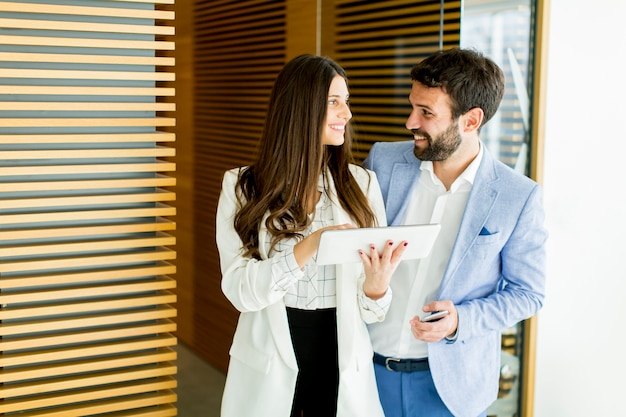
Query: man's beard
[[440, 148]]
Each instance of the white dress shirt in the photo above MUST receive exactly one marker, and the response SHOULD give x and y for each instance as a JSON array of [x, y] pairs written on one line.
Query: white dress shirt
[[416, 282]]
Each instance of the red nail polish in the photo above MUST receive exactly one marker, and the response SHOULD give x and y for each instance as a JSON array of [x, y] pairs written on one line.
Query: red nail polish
[[406, 243]]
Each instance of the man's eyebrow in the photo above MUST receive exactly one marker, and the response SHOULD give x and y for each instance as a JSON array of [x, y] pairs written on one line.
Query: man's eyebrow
[[421, 106]]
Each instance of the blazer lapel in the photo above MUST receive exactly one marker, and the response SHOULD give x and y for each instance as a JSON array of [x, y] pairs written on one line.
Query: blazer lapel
[[479, 206], [404, 176], [277, 317]]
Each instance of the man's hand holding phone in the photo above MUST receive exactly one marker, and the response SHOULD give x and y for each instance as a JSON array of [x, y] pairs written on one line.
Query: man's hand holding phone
[[441, 321], [435, 316]]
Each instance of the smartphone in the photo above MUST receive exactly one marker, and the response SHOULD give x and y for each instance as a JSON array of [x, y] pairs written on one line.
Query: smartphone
[[437, 315]]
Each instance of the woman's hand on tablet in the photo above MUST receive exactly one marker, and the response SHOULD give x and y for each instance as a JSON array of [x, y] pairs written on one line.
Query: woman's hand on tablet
[[304, 250], [379, 267]]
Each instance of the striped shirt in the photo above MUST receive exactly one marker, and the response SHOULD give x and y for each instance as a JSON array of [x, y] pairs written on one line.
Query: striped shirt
[[313, 287]]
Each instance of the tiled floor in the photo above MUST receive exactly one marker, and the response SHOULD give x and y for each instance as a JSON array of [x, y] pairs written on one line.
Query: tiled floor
[[200, 385], [200, 388]]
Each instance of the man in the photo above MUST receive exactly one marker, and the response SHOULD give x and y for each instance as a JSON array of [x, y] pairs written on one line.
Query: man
[[487, 266]]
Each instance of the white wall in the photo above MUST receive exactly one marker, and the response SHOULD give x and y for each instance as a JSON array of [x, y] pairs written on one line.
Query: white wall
[[581, 365]]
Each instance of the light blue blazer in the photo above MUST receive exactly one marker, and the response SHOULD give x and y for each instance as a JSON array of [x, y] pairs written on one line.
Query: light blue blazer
[[496, 272]]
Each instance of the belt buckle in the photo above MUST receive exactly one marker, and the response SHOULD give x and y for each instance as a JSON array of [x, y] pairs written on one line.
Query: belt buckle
[[387, 360]]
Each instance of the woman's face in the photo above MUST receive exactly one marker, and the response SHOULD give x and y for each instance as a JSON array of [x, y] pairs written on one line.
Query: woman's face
[[338, 113]]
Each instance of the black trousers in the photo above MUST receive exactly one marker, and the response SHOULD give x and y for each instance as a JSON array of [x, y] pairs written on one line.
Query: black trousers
[[314, 338]]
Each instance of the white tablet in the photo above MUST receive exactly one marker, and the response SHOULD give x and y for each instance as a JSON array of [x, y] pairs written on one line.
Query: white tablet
[[342, 246]]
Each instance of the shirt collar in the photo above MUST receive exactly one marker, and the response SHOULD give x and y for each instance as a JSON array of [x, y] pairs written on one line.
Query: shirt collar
[[468, 176]]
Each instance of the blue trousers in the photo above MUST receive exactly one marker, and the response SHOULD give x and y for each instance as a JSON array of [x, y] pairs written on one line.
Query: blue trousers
[[409, 394]]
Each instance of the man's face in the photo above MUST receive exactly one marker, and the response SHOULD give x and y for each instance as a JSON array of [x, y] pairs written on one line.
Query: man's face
[[436, 135]]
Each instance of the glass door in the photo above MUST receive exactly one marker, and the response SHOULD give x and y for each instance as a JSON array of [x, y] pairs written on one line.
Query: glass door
[[503, 30]]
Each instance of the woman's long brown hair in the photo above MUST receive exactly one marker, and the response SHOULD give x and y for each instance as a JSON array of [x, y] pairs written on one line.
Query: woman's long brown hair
[[283, 179]]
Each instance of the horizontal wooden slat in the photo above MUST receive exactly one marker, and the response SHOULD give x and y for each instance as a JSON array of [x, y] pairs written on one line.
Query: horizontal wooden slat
[[216, 89], [428, 25], [88, 291], [160, 254], [152, 285], [159, 151], [165, 410], [86, 59], [85, 26], [84, 106], [160, 166], [161, 239], [7, 6], [107, 406], [376, 63], [91, 365], [402, 15], [237, 43], [135, 301], [81, 381], [85, 336], [88, 75], [159, 210], [87, 91], [86, 122], [228, 11], [397, 5], [82, 350], [86, 43], [247, 51], [268, 65], [88, 138], [156, 181], [108, 274], [217, 116], [390, 101], [78, 201], [88, 394], [71, 231], [86, 350], [93, 320], [376, 131]]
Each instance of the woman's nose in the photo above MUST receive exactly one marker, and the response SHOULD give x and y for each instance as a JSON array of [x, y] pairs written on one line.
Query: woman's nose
[[345, 112]]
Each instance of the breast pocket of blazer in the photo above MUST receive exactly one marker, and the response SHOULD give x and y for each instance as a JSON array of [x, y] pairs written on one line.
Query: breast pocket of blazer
[[486, 237], [487, 245]]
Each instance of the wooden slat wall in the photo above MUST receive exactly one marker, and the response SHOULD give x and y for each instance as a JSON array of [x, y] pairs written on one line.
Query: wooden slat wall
[[86, 291], [239, 49]]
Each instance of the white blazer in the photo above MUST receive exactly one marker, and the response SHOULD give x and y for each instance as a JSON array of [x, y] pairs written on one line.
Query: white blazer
[[262, 370]]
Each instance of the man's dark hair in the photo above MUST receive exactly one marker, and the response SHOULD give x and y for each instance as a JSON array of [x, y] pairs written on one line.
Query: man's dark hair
[[468, 77]]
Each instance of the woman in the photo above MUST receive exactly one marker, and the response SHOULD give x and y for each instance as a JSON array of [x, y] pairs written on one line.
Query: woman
[[301, 347]]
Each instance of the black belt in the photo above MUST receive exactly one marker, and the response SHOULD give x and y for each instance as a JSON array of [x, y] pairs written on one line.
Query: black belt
[[401, 365]]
